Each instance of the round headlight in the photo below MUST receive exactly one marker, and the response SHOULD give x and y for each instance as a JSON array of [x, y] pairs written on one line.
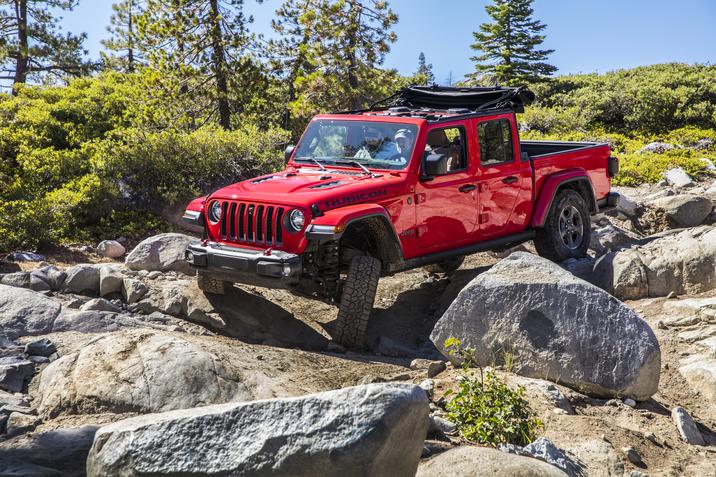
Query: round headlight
[[215, 212], [297, 219]]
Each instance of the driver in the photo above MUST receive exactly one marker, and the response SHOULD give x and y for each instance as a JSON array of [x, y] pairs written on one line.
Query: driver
[[374, 147]]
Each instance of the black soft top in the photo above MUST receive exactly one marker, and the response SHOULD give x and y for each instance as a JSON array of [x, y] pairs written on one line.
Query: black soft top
[[473, 99]]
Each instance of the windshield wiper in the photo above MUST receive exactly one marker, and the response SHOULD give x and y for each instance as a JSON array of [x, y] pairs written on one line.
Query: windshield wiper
[[364, 169], [314, 160]]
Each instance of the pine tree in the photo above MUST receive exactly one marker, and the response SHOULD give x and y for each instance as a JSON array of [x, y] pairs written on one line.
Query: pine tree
[[201, 45], [425, 70], [124, 53], [32, 44], [509, 45]]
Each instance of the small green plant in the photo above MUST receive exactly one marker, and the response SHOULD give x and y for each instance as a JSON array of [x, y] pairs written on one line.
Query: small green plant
[[486, 410]]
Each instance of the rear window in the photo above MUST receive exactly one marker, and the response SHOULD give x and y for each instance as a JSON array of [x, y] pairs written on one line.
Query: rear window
[[495, 139]]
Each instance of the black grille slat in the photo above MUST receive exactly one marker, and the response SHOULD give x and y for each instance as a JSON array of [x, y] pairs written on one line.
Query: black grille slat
[[250, 223], [269, 225], [232, 221], [247, 222], [260, 223]]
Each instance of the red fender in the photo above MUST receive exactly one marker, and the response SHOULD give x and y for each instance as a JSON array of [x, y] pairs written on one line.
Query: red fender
[[341, 217], [549, 190]]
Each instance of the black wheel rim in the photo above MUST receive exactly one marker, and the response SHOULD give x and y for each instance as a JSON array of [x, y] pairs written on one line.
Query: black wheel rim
[[571, 227]]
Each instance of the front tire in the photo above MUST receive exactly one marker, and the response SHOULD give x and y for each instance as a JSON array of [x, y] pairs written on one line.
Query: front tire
[[357, 301], [567, 230], [208, 283]]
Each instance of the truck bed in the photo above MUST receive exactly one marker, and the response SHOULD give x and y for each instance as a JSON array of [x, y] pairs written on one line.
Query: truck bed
[[536, 149]]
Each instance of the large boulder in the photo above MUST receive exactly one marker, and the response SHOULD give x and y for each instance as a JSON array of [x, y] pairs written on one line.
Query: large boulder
[[136, 371], [111, 249], [683, 263], [162, 253], [469, 461], [556, 326], [110, 280], [25, 312], [678, 177], [684, 210], [377, 429]]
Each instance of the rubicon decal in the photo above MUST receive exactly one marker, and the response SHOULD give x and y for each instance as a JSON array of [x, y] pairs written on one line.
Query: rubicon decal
[[356, 198]]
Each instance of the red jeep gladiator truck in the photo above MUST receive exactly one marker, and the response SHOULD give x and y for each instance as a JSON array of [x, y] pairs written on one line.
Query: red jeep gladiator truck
[[423, 178]]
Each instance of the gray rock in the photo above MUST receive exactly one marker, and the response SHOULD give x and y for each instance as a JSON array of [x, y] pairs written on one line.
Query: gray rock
[[627, 206], [376, 429], [57, 453], [41, 347], [441, 425], [25, 312], [82, 279], [598, 457], [559, 328], [111, 249], [15, 371], [433, 367], [133, 290], [19, 423], [545, 450], [136, 371], [25, 257], [164, 297], [110, 280], [469, 461], [38, 284], [686, 426], [632, 456], [93, 321], [100, 304], [678, 177], [610, 238], [17, 279], [700, 373], [51, 275], [684, 263], [656, 148], [684, 210], [154, 275], [162, 253]]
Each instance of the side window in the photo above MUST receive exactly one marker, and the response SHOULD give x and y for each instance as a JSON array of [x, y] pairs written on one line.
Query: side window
[[449, 143], [496, 145]]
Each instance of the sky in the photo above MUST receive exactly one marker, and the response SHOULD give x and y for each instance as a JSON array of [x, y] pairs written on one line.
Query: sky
[[588, 35]]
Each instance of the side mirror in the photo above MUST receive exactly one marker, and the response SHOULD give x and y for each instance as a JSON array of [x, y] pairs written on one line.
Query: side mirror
[[288, 152], [434, 164]]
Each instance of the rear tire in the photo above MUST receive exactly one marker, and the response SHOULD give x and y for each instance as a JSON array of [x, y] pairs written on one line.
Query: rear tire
[[208, 283], [567, 230], [357, 301], [446, 266]]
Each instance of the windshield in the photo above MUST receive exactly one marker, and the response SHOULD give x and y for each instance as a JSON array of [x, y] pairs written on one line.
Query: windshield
[[381, 145]]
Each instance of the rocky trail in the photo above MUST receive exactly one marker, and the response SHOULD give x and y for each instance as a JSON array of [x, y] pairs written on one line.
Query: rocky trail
[[126, 361]]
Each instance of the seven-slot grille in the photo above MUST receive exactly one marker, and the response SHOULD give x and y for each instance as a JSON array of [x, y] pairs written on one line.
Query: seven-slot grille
[[255, 223]]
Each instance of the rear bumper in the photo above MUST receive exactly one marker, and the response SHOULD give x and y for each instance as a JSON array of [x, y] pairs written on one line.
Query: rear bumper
[[274, 269]]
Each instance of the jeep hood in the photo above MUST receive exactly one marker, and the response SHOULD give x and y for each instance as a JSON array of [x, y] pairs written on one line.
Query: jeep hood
[[306, 187]]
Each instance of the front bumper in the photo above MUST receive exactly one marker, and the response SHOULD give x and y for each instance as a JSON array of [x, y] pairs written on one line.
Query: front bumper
[[271, 269]]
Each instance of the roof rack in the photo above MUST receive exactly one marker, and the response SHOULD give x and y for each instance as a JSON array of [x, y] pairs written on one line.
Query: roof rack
[[433, 102]]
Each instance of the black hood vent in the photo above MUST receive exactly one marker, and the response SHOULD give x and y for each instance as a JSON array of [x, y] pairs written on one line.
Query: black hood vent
[[326, 185]]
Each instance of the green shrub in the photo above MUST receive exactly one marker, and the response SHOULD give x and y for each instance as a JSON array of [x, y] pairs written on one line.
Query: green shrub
[[486, 410], [635, 169]]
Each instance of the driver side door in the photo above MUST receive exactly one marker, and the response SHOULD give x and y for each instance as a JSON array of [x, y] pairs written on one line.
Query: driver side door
[[446, 202]]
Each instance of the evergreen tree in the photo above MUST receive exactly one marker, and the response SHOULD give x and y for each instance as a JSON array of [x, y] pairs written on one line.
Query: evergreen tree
[[200, 45], [32, 45], [425, 70], [124, 54], [509, 45], [347, 42]]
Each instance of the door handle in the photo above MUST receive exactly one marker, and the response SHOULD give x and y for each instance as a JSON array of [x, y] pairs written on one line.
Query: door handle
[[509, 179], [467, 188]]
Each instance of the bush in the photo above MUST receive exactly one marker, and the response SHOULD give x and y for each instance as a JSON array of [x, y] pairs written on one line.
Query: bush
[[486, 410], [635, 169]]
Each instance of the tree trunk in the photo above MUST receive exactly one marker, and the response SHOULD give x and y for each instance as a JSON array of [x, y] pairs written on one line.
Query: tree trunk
[[130, 38], [219, 63], [22, 61], [351, 33]]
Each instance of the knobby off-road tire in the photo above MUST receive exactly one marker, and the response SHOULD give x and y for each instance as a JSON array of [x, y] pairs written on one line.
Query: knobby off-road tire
[[567, 230], [357, 301], [446, 266], [210, 284]]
